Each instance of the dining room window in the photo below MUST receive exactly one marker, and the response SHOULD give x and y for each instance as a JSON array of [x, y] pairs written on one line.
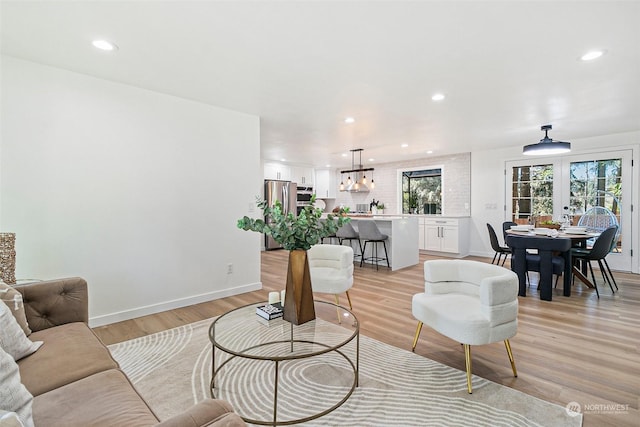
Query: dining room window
[[532, 193]]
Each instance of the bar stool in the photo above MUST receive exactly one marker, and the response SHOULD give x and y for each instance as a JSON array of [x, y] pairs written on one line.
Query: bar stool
[[347, 232], [370, 233]]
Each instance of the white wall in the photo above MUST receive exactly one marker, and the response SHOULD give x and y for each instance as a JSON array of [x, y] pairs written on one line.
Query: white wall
[[136, 191], [488, 186]]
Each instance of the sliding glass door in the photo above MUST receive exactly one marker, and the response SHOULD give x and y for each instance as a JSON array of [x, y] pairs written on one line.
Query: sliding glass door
[[592, 189]]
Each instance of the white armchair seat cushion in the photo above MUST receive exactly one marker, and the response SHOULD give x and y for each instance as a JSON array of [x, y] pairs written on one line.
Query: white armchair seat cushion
[[459, 317], [329, 280]]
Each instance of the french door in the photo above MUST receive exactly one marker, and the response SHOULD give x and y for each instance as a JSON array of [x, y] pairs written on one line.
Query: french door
[[547, 188]]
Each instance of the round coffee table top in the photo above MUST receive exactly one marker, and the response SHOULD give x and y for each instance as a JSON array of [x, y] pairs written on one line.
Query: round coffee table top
[[244, 333]]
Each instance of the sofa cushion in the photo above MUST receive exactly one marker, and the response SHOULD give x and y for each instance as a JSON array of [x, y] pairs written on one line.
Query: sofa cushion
[[103, 399], [12, 337], [13, 299], [70, 352], [14, 397]]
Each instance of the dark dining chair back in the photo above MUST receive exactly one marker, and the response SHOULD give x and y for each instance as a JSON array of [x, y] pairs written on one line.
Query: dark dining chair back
[[602, 245], [545, 256], [507, 226], [599, 251], [495, 245]]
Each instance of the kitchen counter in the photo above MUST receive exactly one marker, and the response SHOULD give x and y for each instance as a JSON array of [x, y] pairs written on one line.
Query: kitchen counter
[[402, 245]]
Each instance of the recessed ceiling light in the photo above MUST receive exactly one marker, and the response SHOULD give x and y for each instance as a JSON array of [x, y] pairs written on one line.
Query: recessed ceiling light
[[430, 152], [104, 45], [327, 166], [349, 120], [594, 54], [438, 97], [344, 154], [404, 145], [371, 160], [283, 160]]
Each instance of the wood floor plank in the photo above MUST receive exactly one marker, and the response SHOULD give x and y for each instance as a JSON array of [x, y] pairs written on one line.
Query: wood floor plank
[[577, 348]]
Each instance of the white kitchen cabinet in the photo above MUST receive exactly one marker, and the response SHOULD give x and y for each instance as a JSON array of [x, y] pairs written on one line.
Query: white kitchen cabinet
[[277, 171], [303, 176], [448, 235], [325, 184]]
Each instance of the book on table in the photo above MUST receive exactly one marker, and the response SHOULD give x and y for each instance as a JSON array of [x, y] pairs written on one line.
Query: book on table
[[270, 311]]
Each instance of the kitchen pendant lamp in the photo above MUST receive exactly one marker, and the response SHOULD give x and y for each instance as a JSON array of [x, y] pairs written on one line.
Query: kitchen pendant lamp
[[357, 184], [546, 145]]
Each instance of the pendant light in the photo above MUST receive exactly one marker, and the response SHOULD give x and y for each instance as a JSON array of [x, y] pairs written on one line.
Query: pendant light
[[356, 185], [546, 145]]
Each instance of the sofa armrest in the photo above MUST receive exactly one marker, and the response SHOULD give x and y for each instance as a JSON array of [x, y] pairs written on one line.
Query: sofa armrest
[[55, 302], [209, 412]]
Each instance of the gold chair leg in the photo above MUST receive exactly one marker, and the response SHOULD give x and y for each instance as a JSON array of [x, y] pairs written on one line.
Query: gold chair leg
[[415, 339], [467, 361], [338, 308], [513, 362], [349, 299]]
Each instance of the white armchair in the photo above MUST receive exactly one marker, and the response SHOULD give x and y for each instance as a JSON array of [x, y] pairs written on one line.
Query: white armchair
[[331, 269], [468, 301]]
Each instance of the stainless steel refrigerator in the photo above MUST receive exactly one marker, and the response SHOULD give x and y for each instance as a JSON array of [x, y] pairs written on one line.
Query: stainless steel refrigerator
[[286, 193]]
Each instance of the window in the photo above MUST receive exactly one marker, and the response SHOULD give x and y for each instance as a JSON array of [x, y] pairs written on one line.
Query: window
[[422, 191], [532, 192]]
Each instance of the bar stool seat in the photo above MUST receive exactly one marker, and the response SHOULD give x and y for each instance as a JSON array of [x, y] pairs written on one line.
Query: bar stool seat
[[370, 233], [347, 232]]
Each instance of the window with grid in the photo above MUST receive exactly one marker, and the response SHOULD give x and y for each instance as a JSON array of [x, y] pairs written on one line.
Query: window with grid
[[532, 192]]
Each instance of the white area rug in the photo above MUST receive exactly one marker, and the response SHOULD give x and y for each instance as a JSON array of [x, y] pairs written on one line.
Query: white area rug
[[172, 370]]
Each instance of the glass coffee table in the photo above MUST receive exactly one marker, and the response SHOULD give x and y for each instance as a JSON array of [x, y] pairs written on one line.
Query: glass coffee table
[[276, 373]]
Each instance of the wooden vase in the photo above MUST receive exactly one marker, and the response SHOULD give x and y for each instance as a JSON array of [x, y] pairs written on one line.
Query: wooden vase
[[298, 304]]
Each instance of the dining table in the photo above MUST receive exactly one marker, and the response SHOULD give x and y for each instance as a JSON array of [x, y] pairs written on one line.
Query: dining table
[[541, 240]]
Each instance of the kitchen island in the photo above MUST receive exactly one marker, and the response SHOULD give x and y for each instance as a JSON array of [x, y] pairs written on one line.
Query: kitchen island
[[402, 245]]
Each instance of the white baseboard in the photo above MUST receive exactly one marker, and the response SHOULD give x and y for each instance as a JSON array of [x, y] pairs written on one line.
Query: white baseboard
[[481, 254], [170, 305]]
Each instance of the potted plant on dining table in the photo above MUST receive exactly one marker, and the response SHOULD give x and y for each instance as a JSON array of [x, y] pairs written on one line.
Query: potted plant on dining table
[[296, 233]]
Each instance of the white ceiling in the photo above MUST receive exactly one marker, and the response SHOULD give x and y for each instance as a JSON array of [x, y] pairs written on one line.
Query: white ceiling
[[506, 68]]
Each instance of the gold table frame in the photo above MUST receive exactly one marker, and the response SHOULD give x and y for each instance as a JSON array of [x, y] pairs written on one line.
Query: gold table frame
[[245, 353]]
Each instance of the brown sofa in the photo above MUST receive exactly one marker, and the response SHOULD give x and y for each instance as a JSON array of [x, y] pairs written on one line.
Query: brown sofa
[[74, 379]]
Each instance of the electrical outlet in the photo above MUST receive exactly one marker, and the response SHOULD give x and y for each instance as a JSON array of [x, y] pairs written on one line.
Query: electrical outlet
[[229, 268]]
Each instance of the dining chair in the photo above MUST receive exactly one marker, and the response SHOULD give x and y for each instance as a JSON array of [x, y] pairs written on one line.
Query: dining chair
[[546, 247], [600, 249], [614, 244], [507, 226], [495, 245]]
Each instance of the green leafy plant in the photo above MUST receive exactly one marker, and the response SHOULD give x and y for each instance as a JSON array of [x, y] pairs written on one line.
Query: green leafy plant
[[291, 231], [413, 199]]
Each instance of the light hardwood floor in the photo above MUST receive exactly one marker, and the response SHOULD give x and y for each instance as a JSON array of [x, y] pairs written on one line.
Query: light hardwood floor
[[577, 349]]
